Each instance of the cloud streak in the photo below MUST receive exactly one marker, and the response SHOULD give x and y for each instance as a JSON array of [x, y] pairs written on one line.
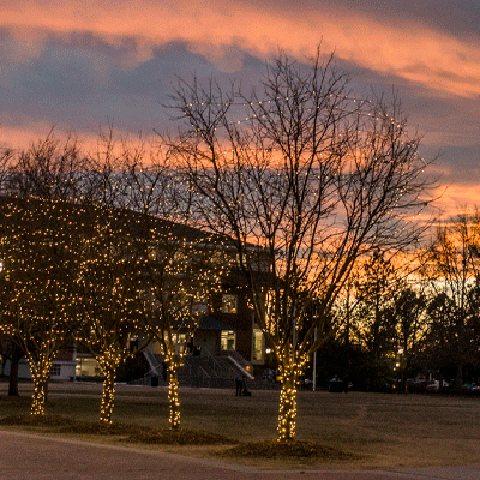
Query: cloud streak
[[413, 51]]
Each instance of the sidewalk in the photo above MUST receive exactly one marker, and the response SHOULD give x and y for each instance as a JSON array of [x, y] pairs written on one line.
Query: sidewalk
[[26, 456]]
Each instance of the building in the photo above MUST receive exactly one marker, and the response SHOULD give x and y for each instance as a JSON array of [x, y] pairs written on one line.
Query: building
[[227, 323]]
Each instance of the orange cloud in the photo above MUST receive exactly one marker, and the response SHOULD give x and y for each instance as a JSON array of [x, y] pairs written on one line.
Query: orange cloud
[[410, 51], [456, 198], [22, 137]]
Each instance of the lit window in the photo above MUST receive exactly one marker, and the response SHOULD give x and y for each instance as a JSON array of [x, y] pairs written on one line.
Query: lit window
[[257, 351], [228, 340], [229, 303]]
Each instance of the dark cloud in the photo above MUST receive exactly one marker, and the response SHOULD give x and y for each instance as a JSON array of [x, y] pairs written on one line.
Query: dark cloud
[[460, 18], [80, 80], [118, 61]]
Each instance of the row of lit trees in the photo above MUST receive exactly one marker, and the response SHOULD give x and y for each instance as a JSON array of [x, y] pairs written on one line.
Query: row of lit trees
[[96, 248], [313, 181]]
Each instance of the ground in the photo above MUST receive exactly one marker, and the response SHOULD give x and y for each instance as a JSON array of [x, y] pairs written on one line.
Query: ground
[[33, 457], [354, 431]]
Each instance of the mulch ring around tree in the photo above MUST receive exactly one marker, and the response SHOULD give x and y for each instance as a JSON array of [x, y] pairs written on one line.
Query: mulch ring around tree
[[298, 450], [127, 433]]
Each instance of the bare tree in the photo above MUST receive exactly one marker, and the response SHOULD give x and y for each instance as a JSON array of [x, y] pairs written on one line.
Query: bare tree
[[108, 293], [178, 258], [313, 180], [409, 312], [39, 187], [37, 267], [376, 324], [110, 287], [182, 280], [49, 169], [6, 159], [454, 276]]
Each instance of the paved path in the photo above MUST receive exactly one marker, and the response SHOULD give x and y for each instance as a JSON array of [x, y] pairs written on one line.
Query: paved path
[[26, 456]]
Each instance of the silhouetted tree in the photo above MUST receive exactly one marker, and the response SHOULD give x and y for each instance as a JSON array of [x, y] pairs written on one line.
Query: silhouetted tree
[[452, 335], [313, 180]]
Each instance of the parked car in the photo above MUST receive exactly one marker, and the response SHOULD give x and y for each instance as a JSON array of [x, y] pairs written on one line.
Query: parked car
[[471, 389], [417, 386], [336, 385], [435, 386]]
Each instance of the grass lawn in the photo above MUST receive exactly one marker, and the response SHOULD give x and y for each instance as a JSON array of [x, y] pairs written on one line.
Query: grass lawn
[[340, 431]]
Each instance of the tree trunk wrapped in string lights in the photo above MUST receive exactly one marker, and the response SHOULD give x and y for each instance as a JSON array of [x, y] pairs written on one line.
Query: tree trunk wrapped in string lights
[[173, 362], [173, 402], [109, 362], [40, 371], [291, 372], [306, 178]]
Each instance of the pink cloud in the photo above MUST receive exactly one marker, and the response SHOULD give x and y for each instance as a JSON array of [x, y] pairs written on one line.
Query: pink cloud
[[411, 51]]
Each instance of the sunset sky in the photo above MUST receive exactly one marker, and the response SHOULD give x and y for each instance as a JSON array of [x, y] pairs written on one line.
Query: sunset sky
[[77, 65]]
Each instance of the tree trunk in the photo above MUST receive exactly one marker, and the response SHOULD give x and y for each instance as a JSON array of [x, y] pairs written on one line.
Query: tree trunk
[[39, 394], [287, 410], [40, 370], [173, 403], [459, 377], [405, 364], [108, 393], [15, 357]]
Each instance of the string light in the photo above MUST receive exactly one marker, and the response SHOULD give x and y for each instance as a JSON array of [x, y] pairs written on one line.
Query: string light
[[109, 300], [184, 273], [36, 264], [109, 295]]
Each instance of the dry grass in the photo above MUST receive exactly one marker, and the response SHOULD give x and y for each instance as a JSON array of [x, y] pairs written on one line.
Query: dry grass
[[354, 430]]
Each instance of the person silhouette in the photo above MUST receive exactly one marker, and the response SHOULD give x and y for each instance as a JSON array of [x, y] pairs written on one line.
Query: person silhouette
[[238, 386]]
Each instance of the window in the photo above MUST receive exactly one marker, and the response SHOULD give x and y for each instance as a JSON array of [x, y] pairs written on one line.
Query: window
[[88, 367], [243, 257], [55, 370], [229, 303], [228, 340], [257, 350], [199, 305]]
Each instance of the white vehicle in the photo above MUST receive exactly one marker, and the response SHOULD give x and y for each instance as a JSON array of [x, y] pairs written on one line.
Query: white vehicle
[[435, 386]]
